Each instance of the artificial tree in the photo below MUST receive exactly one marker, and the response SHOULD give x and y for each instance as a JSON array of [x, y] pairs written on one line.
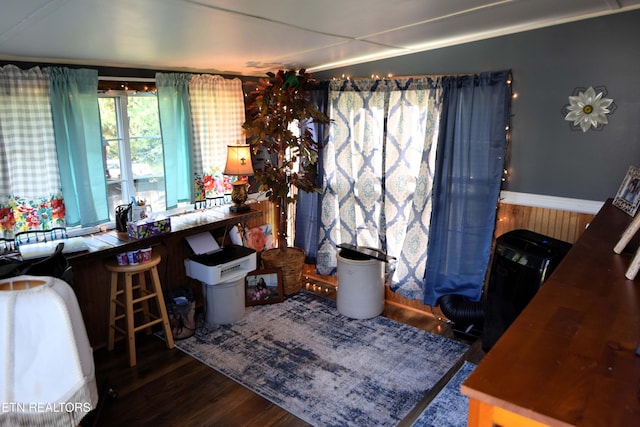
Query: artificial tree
[[277, 102]]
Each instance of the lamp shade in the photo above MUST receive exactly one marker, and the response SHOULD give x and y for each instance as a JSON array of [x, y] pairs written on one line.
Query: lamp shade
[[48, 374], [238, 160]]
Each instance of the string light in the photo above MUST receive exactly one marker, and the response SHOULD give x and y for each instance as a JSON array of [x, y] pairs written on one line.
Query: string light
[[514, 95]]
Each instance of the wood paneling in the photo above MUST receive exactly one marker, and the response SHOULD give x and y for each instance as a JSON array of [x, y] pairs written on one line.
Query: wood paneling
[[559, 224], [269, 215]]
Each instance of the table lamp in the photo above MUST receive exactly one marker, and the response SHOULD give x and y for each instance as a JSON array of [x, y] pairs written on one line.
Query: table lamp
[[239, 164]]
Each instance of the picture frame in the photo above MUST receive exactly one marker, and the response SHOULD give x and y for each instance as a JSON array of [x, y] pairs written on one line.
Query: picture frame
[[628, 197], [264, 287]]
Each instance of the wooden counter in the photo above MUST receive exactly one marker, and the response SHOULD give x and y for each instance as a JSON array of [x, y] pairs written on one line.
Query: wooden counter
[[91, 279], [569, 358]]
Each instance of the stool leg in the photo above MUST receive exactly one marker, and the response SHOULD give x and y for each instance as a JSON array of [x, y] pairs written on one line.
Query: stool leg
[[128, 303], [155, 280], [112, 310], [145, 303]]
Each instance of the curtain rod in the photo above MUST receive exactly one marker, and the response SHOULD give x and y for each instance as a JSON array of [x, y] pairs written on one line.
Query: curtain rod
[[127, 79], [387, 77]]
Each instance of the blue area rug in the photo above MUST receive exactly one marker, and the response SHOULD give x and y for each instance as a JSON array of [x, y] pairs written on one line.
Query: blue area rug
[[325, 368], [450, 408]]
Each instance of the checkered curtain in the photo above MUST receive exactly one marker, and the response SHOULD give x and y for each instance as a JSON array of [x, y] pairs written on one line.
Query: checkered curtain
[[217, 110], [29, 164], [29, 174]]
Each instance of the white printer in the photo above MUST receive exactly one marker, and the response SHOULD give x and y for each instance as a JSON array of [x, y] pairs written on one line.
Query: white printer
[[222, 272]]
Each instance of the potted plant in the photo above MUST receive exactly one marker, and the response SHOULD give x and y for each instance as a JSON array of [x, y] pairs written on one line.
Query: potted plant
[[277, 102]]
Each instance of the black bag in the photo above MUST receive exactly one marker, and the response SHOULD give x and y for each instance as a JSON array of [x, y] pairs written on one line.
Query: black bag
[[181, 308], [11, 267], [123, 214], [55, 265]]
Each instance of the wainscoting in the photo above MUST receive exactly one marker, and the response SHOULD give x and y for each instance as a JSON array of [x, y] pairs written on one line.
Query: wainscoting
[[269, 215], [559, 224], [562, 224]]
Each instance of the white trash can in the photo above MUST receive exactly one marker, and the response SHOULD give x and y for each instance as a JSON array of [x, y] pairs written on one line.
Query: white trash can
[[360, 286], [224, 302]]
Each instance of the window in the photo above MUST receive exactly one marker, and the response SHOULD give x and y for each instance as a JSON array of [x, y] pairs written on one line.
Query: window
[[132, 148]]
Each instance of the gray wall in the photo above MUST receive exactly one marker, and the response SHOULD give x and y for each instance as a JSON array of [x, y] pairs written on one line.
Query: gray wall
[[546, 156]]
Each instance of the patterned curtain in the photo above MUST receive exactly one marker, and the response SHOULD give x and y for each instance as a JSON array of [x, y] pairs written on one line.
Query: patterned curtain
[[30, 194], [352, 169], [217, 109], [413, 167], [378, 166]]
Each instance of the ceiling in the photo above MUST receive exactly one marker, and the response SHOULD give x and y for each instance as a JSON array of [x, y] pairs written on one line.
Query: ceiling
[[250, 37]]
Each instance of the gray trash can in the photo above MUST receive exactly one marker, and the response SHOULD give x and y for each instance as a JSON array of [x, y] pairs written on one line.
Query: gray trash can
[[224, 301], [361, 274]]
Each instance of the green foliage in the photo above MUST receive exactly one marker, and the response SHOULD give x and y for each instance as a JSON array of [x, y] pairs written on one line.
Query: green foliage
[[143, 122], [278, 101]]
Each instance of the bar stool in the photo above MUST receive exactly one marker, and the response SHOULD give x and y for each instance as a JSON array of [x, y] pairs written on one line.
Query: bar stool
[[128, 303]]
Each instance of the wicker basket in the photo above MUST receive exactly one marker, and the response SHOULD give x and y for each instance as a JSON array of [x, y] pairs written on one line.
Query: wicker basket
[[291, 262]]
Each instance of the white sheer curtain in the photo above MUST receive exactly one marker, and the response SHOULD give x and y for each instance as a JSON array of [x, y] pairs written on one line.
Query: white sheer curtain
[[217, 109]]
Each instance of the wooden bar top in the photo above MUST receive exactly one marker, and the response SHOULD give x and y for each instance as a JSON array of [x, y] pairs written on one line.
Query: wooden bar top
[[569, 358], [113, 242]]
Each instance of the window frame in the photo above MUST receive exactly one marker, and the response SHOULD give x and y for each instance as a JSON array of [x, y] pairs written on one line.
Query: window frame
[[121, 99]]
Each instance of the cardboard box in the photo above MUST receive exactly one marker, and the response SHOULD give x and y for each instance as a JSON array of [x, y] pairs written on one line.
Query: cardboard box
[[153, 227]]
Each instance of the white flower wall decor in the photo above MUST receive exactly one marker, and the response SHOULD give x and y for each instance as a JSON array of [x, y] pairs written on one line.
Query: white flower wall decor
[[588, 108]]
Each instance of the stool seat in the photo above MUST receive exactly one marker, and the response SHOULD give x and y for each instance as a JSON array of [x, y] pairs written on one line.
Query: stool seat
[[113, 266], [123, 297]]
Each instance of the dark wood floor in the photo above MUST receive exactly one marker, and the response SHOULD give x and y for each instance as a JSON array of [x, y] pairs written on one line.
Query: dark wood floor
[[170, 388]]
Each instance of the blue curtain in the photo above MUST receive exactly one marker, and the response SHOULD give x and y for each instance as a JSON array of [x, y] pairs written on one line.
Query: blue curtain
[[76, 123], [175, 125], [470, 161], [308, 207]]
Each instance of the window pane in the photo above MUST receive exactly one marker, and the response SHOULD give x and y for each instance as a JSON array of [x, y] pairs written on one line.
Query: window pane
[[110, 137], [111, 143], [146, 150], [133, 149]]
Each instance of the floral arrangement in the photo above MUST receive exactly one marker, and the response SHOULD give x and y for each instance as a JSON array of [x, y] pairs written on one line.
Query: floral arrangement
[[212, 184], [19, 214]]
